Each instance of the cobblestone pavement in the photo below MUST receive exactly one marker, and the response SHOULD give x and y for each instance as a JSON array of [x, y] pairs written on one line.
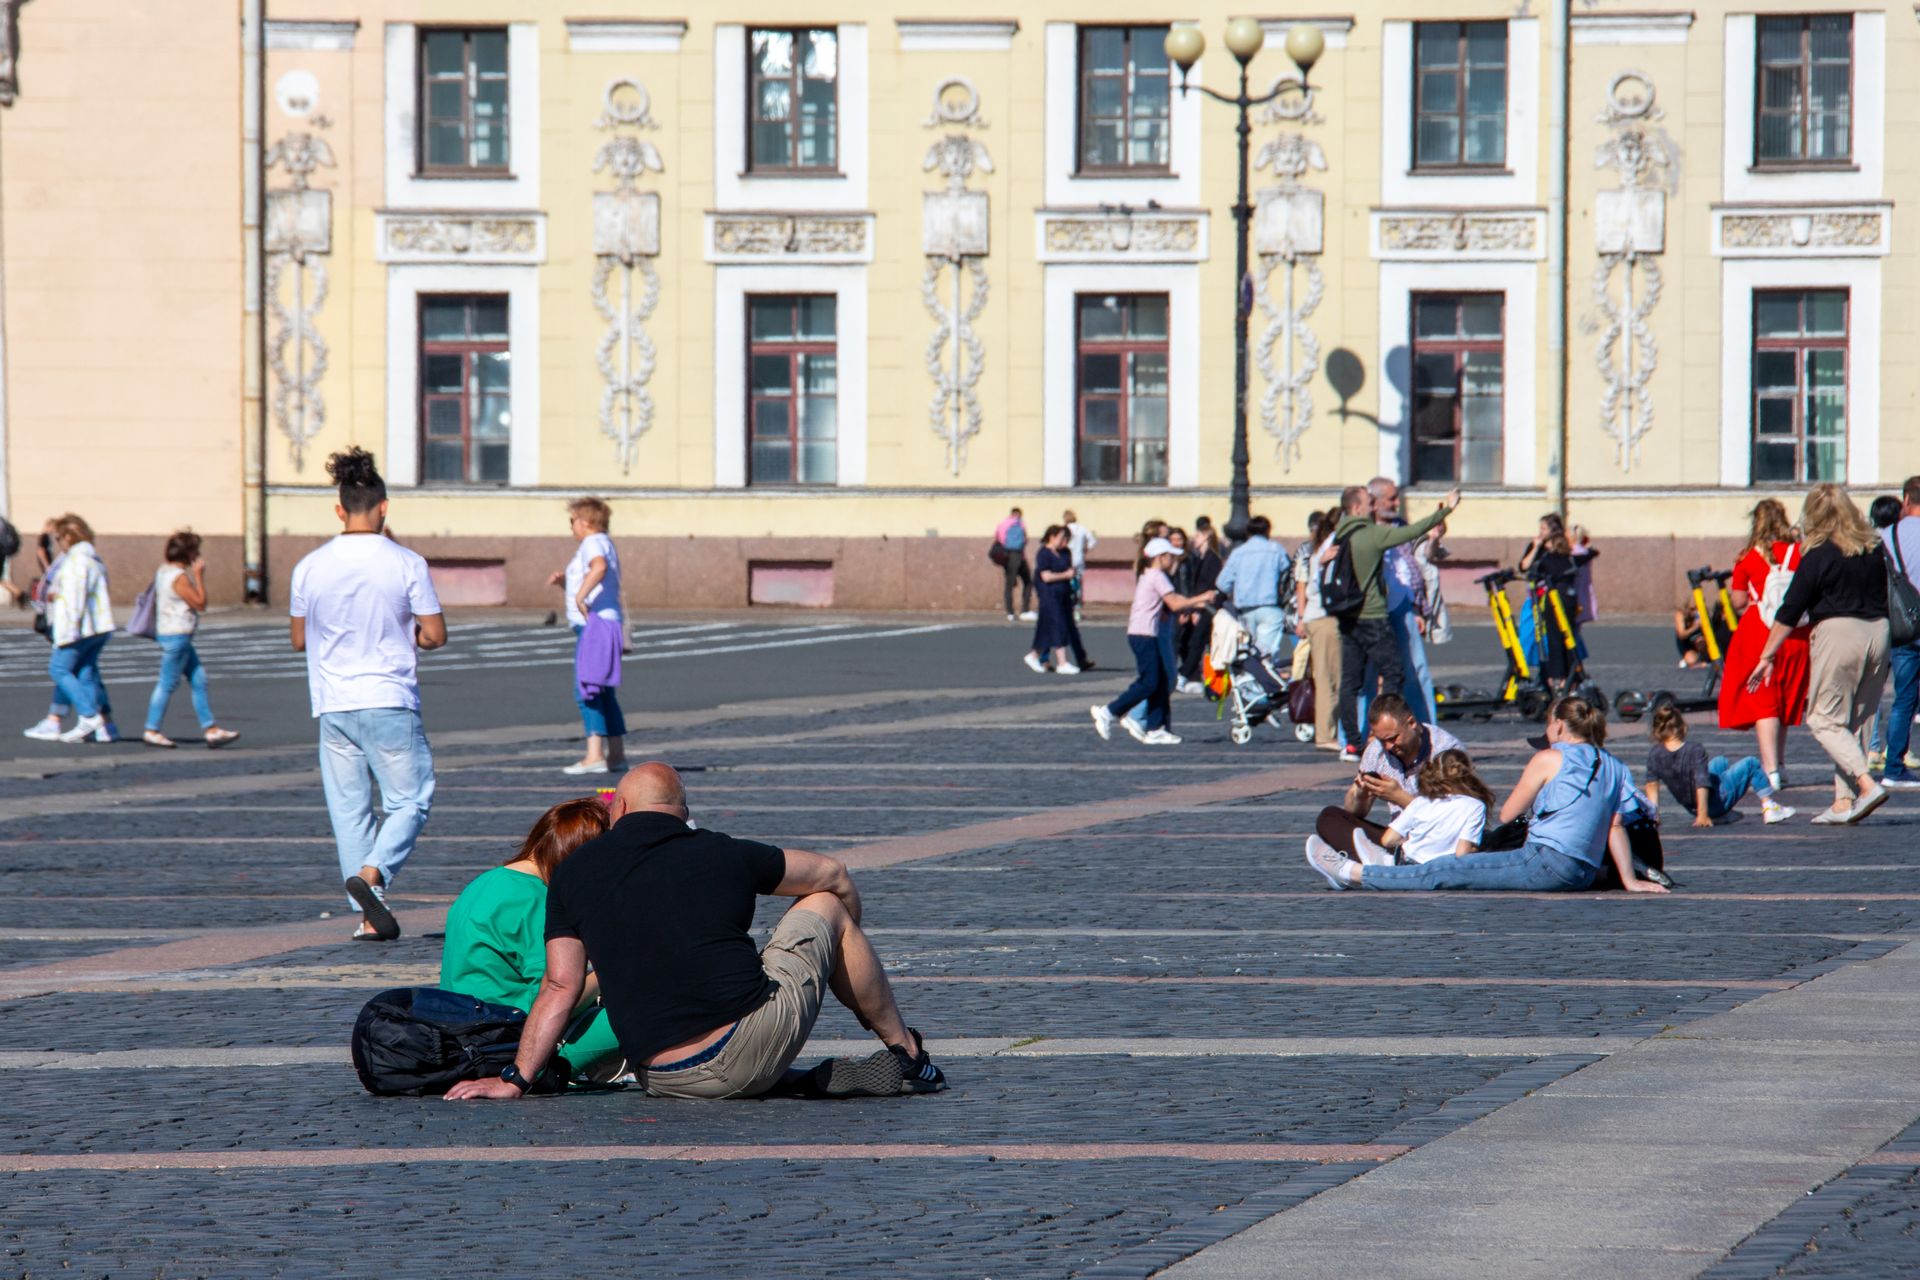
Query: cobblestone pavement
[[1027, 884]]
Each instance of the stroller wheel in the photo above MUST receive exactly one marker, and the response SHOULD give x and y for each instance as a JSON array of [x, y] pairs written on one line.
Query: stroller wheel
[[1303, 733], [1242, 734], [1630, 704]]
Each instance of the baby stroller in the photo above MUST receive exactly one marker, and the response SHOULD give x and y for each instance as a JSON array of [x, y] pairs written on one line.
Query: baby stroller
[[1250, 685]]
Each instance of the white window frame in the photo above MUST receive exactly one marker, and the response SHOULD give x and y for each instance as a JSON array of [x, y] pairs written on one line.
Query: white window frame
[[1740, 183], [1740, 278], [1179, 189], [405, 188], [405, 284], [1061, 352], [1520, 283], [1517, 186], [733, 187], [731, 286]]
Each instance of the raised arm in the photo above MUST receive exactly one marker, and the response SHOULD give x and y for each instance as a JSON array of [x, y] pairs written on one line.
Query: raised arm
[[560, 993]]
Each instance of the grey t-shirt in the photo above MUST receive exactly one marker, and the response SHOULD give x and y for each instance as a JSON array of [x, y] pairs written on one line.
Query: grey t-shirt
[[1682, 771]]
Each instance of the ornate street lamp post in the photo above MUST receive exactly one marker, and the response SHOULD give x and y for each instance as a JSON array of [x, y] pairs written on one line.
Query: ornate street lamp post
[[1244, 38]]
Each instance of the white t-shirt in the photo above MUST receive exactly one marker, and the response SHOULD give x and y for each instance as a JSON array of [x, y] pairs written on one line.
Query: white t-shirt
[[172, 615], [1079, 539], [604, 599], [360, 594], [1434, 828]]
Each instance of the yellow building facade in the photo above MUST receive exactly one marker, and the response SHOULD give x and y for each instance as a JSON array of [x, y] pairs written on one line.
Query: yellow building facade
[[814, 298]]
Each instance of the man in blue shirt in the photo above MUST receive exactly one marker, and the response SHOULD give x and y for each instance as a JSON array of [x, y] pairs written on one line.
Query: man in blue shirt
[[1252, 579], [1903, 537]]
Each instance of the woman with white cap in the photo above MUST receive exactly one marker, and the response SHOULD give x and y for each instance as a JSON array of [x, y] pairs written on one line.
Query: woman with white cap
[[1155, 602]]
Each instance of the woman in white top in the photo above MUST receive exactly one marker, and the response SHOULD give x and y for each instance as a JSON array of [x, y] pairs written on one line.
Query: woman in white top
[[80, 622], [592, 582], [179, 597]]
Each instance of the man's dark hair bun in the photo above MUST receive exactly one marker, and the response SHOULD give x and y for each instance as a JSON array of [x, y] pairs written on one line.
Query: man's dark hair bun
[[354, 466]]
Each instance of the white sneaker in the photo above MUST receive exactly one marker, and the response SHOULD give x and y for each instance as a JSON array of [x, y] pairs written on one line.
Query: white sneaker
[[1132, 726], [1009, 617], [1184, 685], [1772, 812], [1102, 722], [1029, 616], [1371, 854], [1034, 663], [47, 730], [586, 766], [1161, 738], [1866, 803], [1349, 756], [1066, 669], [108, 732], [1328, 861], [83, 728]]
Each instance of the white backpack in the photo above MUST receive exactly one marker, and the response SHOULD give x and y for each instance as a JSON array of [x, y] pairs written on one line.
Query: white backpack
[[1779, 578]]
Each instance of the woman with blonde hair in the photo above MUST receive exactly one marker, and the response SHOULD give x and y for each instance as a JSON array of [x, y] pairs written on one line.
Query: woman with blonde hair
[[1772, 555], [1840, 590], [80, 622], [592, 582]]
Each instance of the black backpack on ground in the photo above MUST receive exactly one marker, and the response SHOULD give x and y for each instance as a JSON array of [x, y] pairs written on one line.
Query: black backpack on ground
[[1341, 591], [417, 1041]]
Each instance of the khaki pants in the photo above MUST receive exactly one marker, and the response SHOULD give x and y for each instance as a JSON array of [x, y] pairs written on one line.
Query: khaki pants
[[799, 958], [1323, 638], [1848, 672]]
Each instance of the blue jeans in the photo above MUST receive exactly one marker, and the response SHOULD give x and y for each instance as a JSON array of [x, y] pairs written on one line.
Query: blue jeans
[[1167, 655], [75, 669], [390, 744], [1906, 700], [177, 660], [1532, 867], [1732, 781], [1416, 684], [600, 714], [1268, 624], [1152, 684]]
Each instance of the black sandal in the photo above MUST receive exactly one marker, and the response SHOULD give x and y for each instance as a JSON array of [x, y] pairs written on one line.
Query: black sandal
[[385, 927]]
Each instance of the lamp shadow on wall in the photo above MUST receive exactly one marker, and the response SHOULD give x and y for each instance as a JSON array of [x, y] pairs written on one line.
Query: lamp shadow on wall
[[1347, 375]]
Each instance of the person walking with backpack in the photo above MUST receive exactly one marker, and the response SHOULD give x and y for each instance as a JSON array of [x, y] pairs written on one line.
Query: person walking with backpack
[[1902, 539], [179, 598], [361, 608], [1010, 553], [1760, 580], [1352, 589]]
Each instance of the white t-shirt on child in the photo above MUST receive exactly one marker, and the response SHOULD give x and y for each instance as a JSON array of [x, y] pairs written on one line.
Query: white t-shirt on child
[[360, 594], [1434, 828]]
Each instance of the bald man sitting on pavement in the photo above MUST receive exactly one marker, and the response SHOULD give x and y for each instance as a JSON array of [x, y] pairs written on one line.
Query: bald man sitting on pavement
[[663, 910]]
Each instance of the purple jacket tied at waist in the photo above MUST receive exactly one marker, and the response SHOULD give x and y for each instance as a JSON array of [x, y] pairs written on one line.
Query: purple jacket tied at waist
[[596, 663]]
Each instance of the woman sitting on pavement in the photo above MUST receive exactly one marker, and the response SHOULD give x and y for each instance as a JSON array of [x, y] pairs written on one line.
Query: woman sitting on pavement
[[1446, 819], [1575, 794], [496, 947], [1709, 787]]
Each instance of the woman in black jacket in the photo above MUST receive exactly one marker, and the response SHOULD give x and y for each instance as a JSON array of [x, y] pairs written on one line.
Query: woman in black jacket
[[1841, 589]]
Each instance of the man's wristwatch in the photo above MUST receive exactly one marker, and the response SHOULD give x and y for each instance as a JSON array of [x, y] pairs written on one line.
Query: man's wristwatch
[[511, 1074]]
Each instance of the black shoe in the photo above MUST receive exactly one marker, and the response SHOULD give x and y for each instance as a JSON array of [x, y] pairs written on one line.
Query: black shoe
[[917, 1072], [374, 907], [877, 1075]]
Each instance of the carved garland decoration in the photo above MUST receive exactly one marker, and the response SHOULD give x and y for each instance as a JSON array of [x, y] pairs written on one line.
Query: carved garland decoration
[[1286, 408], [954, 237], [626, 240], [299, 236]]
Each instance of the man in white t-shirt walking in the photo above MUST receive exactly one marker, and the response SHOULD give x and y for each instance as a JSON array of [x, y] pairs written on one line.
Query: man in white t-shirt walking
[[361, 606]]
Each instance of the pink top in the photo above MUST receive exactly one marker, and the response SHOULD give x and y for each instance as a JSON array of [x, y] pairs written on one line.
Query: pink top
[[1000, 530], [1144, 618]]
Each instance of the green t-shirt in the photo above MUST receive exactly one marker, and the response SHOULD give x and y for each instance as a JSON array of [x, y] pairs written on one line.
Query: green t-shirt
[[496, 951]]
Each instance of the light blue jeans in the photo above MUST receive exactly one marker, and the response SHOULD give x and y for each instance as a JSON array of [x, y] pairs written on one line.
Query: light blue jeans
[[387, 745], [1417, 686], [75, 669], [1733, 780], [1531, 867], [177, 661], [1268, 624]]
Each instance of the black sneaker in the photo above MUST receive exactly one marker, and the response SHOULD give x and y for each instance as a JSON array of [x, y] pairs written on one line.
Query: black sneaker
[[917, 1072], [878, 1075]]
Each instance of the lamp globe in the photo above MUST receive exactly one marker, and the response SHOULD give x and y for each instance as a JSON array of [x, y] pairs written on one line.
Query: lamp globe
[[1305, 44], [1184, 45], [1244, 37]]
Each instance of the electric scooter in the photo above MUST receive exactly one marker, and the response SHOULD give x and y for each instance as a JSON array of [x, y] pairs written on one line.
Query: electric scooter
[[1631, 704], [1516, 693]]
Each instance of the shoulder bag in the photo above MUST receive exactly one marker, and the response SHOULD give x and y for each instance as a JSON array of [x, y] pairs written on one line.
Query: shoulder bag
[[1903, 601]]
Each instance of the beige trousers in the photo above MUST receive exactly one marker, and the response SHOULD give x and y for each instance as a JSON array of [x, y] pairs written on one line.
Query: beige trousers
[[1848, 673], [1323, 634]]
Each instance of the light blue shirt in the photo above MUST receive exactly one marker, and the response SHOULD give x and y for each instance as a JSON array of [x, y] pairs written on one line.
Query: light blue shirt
[[1574, 812], [1251, 578]]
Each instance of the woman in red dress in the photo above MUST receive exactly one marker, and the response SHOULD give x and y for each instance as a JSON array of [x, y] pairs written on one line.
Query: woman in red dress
[[1782, 701]]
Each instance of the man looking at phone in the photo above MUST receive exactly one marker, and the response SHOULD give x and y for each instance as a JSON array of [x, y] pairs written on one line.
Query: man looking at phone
[[1398, 744]]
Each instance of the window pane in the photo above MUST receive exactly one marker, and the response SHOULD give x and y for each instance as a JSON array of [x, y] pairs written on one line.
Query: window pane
[[1773, 464], [771, 462], [1106, 146], [445, 53], [1149, 144], [492, 419], [1827, 312], [444, 374], [773, 53], [1780, 39], [1831, 37], [1106, 96], [771, 376], [817, 318], [446, 145], [818, 419], [443, 462], [1831, 137], [819, 375], [1831, 84], [1480, 462], [1776, 371], [1779, 138], [1149, 315], [442, 318], [1105, 49], [1776, 314], [1149, 462], [490, 317], [774, 100], [1826, 393], [443, 419], [1150, 96], [772, 146], [1100, 418], [1487, 91], [1099, 317], [1099, 462], [493, 458], [770, 319], [817, 462], [490, 52], [1487, 44], [1439, 91], [1149, 374], [1147, 418], [1437, 141], [820, 59], [1433, 378], [1100, 373], [1481, 379], [1434, 317], [1780, 88], [1826, 460], [1480, 317], [771, 421], [1486, 140], [1149, 49], [816, 138], [1436, 44], [495, 370], [445, 99], [1433, 463], [1773, 416]]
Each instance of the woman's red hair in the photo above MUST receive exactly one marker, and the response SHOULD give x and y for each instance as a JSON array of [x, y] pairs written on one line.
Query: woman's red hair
[[561, 830]]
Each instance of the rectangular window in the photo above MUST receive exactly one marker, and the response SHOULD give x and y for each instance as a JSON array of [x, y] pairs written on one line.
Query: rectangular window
[[466, 373], [1125, 100], [463, 102], [1122, 392], [793, 108], [1460, 95], [1459, 388], [793, 389], [1799, 386], [1803, 106]]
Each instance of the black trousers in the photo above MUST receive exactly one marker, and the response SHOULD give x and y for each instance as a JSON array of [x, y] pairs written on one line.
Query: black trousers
[[1016, 571], [1369, 662], [1336, 826]]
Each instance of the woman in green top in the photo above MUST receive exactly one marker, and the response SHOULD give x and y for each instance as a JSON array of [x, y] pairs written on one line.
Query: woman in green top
[[496, 948]]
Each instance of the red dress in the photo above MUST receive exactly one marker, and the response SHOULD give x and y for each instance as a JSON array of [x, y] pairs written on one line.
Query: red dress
[[1784, 697]]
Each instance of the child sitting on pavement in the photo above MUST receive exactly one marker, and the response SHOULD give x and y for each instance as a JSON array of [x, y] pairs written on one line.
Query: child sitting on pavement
[[1710, 787], [1447, 817]]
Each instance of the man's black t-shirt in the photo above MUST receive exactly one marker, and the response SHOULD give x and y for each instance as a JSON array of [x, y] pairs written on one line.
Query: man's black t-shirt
[[663, 911]]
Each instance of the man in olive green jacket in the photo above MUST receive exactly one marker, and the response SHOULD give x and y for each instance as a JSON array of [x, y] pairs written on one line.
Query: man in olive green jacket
[[1367, 649]]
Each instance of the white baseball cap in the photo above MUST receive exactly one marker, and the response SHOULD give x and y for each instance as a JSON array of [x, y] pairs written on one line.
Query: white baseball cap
[[1161, 547]]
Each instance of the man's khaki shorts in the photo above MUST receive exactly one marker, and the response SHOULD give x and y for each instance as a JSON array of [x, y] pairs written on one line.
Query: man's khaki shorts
[[798, 958]]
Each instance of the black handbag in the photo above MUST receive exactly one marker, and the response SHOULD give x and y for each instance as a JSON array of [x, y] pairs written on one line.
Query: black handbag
[[1903, 601]]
